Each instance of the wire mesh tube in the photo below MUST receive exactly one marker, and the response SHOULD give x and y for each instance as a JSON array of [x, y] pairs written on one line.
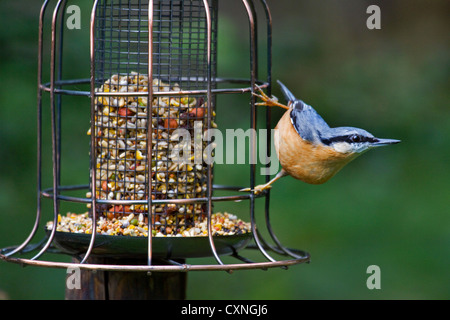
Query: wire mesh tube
[[173, 169]]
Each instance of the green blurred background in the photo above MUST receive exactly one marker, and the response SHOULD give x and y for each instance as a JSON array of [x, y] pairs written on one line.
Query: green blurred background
[[388, 208]]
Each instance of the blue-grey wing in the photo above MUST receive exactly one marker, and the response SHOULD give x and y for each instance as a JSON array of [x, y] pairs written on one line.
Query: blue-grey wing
[[307, 122]]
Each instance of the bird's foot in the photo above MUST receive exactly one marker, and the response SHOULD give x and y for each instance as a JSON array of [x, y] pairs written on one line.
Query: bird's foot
[[258, 189], [266, 100]]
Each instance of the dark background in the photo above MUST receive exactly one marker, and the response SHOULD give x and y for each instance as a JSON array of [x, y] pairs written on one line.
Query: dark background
[[388, 208]]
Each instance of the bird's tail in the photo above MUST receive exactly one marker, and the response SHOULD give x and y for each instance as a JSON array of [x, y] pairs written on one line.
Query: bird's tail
[[287, 94]]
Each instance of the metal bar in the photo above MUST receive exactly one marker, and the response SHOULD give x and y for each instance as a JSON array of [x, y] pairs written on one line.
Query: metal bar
[[58, 77], [269, 88], [209, 119], [239, 257], [269, 118], [84, 186], [157, 201], [253, 56], [93, 135], [268, 111], [48, 194], [39, 132], [261, 84], [149, 130], [283, 249], [55, 157]]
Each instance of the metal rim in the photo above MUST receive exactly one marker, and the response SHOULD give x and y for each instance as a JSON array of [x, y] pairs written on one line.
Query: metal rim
[[176, 267]]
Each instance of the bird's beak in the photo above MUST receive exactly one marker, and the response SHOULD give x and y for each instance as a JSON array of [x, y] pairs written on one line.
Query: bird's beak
[[385, 142]]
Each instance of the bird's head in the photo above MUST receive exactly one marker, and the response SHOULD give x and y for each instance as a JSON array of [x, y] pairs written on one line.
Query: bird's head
[[344, 140], [353, 140]]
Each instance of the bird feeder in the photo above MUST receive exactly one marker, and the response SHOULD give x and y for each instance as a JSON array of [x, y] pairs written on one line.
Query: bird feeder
[[153, 77]]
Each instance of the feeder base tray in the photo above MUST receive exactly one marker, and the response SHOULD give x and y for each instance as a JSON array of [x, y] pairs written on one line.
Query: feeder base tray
[[136, 247]]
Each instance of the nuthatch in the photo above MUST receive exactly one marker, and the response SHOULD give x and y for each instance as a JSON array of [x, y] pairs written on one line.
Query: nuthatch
[[307, 148]]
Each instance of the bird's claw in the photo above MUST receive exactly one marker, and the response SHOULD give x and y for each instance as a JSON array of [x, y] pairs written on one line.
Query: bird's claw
[[266, 100], [258, 189]]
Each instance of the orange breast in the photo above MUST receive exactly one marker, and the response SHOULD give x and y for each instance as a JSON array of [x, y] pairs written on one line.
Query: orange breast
[[304, 160]]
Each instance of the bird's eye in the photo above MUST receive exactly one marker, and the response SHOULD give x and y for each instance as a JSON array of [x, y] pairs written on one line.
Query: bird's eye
[[355, 138]]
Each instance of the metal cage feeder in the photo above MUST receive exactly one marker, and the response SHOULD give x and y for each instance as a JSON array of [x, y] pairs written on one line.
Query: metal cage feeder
[[152, 70]]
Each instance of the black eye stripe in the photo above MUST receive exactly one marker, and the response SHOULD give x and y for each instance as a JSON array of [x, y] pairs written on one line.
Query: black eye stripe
[[353, 138]]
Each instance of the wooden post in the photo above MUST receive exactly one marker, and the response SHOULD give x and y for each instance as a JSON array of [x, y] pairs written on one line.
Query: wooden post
[[120, 285]]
